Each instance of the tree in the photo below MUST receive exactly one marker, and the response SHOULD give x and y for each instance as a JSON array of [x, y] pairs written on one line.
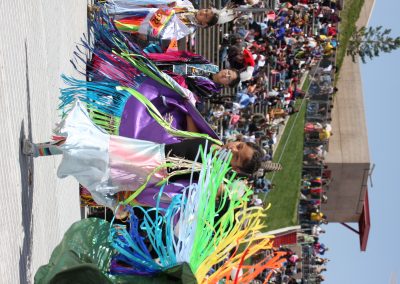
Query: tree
[[369, 42]]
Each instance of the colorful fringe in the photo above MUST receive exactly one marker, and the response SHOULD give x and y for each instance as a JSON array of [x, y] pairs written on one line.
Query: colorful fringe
[[155, 26], [132, 23], [104, 103], [116, 58], [177, 57], [107, 37], [208, 230]]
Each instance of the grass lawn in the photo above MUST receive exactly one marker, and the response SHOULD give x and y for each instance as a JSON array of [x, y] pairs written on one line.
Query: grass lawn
[[349, 15], [285, 197]]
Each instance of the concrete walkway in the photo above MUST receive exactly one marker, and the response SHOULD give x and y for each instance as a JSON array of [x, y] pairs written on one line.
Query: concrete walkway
[[37, 40]]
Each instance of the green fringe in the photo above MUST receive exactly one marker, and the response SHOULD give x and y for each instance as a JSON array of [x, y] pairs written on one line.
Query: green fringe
[[109, 123]]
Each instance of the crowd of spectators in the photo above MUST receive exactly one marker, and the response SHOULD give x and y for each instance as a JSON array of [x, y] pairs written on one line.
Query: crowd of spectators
[[271, 54], [316, 178], [296, 37], [282, 266], [309, 265]]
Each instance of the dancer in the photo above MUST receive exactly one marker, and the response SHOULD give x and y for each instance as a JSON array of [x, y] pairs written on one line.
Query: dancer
[[195, 240], [195, 72], [107, 164], [191, 71], [162, 20]]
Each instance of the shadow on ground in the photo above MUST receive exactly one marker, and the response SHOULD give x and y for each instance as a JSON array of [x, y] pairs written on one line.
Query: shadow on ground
[[26, 170]]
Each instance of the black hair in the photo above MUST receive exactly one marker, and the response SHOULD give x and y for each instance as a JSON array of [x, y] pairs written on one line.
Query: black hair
[[252, 165], [235, 82], [213, 21], [233, 52], [258, 119]]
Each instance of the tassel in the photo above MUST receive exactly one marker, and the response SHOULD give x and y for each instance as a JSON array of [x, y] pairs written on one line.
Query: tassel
[[206, 233]]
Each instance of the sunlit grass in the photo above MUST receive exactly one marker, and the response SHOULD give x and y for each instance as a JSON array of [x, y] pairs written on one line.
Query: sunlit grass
[[284, 198]]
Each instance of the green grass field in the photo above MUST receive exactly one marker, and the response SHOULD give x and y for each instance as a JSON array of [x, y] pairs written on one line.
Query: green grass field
[[284, 198]]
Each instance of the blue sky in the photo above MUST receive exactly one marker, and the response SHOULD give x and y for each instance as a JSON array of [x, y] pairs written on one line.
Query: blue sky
[[381, 84]]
